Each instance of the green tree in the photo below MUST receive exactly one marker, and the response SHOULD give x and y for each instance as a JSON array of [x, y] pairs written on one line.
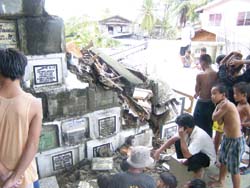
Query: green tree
[[148, 16], [184, 9], [82, 30]]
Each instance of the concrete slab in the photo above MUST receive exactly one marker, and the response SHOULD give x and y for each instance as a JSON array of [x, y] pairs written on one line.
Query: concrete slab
[[102, 163], [49, 182]]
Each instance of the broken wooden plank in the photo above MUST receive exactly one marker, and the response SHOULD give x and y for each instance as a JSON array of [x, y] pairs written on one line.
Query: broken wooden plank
[[120, 69]]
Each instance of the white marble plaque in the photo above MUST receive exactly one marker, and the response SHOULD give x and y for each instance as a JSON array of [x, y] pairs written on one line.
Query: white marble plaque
[[8, 34], [46, 70], [62, 160], [45, 74], [102, 163]]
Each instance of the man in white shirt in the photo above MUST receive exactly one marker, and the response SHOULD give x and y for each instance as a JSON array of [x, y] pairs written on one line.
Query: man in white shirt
[[191, 143]]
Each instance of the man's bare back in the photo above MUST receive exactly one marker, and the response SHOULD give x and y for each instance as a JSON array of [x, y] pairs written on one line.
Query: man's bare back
[[204, 83]]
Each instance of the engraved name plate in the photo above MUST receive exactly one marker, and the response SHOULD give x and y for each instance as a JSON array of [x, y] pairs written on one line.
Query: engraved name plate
[[8, 34], [62, 161]]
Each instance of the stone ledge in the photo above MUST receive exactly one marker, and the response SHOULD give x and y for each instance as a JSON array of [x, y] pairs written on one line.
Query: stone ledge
[[49, 182]]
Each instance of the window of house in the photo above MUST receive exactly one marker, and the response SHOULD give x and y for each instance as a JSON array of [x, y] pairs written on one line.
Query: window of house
[[215, 19], [243, 18]]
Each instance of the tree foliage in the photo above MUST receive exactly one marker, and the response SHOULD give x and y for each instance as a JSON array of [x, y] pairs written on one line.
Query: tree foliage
[[185, 9], [148, 16], [82, 30]]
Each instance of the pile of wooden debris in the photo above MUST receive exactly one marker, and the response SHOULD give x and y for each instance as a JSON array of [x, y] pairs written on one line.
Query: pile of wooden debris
[[141, 98]]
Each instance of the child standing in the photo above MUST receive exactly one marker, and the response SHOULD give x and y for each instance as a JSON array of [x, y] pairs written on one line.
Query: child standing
[[232, 145], [240, 96], [187, 59]]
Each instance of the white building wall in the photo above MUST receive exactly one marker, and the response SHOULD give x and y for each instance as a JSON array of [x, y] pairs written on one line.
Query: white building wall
[[228, 30]]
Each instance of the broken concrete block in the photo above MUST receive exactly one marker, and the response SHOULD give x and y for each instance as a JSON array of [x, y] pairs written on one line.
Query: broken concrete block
[[49, 182], [102, 163]]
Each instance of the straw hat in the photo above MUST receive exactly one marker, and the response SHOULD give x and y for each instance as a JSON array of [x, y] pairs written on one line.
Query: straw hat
[[140, 157]]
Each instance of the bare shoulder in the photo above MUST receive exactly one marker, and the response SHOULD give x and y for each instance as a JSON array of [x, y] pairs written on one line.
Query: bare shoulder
[[246, 108], [36, 107], [199, 76], [231, 106], [226, 105]]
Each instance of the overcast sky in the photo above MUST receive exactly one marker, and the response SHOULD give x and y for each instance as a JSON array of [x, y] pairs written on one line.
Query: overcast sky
[[129, 9]]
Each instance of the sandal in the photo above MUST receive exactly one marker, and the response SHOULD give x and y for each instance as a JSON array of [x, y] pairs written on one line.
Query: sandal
[[244, 170]]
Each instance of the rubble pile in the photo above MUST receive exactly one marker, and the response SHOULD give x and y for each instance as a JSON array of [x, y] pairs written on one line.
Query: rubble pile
[[143, 100], [85, 174]]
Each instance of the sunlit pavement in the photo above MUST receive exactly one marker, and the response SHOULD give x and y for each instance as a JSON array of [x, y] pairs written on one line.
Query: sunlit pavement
[[161, 60]]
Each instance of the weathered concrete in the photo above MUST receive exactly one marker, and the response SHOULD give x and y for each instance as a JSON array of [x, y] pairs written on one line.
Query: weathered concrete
[[49, 182], [17, 8], [41, 35], [100, 99], [76, 102], [64, 104]]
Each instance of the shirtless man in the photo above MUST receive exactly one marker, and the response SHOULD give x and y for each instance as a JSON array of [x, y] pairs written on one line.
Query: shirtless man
[[204, 106], [232, 145]]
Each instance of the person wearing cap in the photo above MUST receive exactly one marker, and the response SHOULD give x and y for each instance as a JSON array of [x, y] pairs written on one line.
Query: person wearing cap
[[134, 177], [191, 143]]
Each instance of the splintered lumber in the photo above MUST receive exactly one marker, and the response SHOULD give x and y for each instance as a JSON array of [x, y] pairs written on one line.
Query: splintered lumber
[[120, 69], [104, 79]]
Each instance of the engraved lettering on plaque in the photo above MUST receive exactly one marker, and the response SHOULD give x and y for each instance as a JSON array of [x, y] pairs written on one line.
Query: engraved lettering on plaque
[[45, 74], [8, 34], [107, 126], [62, 161]]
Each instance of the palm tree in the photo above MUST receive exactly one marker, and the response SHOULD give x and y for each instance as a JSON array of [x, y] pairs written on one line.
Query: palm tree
[[148, 17], [185, 9]]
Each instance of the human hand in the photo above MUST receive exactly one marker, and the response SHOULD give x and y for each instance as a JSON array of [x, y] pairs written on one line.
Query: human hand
[[4, 172], [182, 132], [156, 154], [5, 176], [220, 104], [235, 62], [13, 181]]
